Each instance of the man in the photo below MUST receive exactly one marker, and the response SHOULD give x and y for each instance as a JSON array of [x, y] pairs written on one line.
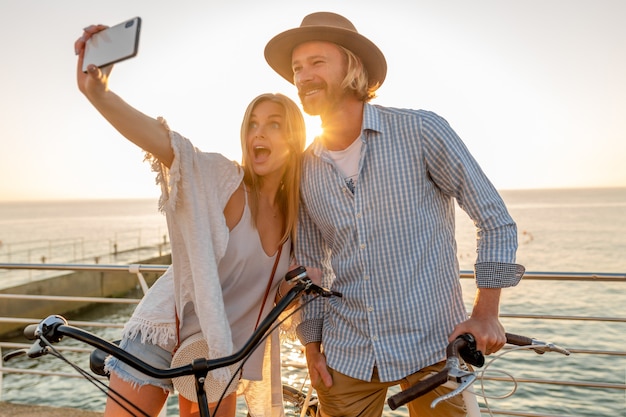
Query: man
[[378, 191]]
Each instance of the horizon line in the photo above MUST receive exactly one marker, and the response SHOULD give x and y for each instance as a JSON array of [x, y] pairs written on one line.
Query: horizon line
[[156, 198]]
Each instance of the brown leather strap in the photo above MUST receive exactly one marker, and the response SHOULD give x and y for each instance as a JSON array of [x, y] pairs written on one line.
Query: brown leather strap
[[177, 332], [269, 285], [267, 291]]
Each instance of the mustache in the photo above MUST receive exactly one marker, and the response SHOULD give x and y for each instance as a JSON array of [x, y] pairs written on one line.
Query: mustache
[[304, 89]]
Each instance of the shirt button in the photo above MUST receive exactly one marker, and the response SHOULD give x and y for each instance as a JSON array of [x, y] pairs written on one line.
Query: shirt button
[[366, 277], [362, 246], [358, 215], [374, 338], [370, 308]]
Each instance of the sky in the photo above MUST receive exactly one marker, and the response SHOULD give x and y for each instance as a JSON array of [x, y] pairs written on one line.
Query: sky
[[535, 88]]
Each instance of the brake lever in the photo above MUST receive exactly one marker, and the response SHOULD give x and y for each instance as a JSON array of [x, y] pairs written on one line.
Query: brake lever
[[455, 374], [462, 377], [14, 354], [543, 347], [37, 349]]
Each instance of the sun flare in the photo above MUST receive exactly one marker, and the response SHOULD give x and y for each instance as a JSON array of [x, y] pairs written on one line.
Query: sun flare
[[313, 128]]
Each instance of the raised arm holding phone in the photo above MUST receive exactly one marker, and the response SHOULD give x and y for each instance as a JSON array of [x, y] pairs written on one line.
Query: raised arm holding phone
[[231, 229]]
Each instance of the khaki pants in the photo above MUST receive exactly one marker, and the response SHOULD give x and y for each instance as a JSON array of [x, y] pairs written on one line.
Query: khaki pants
[[349, 397]]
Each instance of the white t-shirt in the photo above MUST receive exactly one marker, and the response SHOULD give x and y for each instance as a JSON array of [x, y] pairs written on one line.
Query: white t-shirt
[[347, 162]]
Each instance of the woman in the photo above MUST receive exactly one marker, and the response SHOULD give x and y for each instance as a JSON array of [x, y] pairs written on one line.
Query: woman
[[231, 227]]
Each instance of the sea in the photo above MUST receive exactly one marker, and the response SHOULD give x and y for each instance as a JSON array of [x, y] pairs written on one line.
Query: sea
[[79, 232], [560, 231]]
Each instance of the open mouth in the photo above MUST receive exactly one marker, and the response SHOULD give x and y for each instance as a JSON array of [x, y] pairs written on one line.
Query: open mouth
[[261, 153]]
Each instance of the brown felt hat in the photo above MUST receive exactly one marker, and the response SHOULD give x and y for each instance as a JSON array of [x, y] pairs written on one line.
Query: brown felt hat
[[329, 27]]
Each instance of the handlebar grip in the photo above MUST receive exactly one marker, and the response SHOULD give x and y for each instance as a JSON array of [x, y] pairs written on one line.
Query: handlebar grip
[[29, 331], [417, 390], [518, 340], [465, 346]]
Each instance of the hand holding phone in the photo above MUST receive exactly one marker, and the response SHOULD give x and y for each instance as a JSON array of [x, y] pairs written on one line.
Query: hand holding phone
[[114, 44]]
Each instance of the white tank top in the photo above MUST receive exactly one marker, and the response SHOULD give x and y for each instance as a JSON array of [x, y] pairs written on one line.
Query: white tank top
[[244, 272]]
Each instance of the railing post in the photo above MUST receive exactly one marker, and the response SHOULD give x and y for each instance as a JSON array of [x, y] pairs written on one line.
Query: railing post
[[134, 269], [1, 373]]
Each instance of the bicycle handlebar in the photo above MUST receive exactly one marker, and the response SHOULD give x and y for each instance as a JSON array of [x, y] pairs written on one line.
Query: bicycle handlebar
[[464, 347], [53, 328]]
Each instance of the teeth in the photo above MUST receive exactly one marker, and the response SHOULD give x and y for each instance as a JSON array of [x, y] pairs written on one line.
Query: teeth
[[259, 149]]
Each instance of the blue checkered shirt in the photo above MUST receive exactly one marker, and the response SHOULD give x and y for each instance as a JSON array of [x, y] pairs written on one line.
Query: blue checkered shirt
[[389, 245]]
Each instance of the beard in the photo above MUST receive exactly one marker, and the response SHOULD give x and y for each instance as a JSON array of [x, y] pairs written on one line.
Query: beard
[[326, 100]]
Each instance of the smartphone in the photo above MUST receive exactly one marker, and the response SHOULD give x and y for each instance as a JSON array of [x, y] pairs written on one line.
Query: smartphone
[[113, 44]]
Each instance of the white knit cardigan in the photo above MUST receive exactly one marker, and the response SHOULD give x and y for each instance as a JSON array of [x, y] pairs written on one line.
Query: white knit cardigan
[[195, 191]]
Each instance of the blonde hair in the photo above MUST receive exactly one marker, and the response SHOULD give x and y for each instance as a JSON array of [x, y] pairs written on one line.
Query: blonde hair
[[356, 78], [288, 196]]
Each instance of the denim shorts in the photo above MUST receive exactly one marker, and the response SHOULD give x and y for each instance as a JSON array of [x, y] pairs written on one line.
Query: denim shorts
[[147, 352]]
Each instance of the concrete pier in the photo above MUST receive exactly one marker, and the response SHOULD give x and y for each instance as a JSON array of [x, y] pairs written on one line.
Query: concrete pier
[[78, 284]]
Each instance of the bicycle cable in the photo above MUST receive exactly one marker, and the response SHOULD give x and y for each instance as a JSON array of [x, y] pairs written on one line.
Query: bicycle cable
[[482, 372], [265, 336], [107, 390], [101, 386]]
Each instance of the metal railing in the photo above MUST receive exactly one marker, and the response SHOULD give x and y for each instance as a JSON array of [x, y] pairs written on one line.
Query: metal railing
[[571, 278], [125, 247], [137, 269], [74, 250]]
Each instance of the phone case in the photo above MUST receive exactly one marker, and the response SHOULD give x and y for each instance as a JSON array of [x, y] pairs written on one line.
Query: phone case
[[113, 44]]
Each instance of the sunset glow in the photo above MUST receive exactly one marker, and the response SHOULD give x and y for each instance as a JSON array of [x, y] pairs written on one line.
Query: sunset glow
[[535, 89]]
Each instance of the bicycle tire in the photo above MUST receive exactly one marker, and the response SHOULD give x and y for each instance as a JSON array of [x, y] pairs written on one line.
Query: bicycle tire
[[294, 399]]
